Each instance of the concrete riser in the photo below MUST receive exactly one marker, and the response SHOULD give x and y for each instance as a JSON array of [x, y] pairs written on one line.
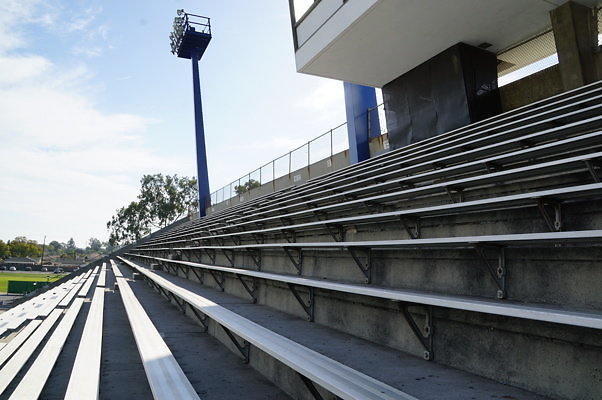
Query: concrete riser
[[553, 360]]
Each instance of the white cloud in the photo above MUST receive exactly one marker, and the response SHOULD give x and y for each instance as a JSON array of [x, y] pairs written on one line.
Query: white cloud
[[65, 164]]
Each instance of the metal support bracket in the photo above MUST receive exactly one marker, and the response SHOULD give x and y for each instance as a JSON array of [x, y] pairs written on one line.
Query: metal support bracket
[[296, 259], [492, 167], [259, 238], [289, 235], [256, 257], [365, 267], [336, 231], [424, 335], [458, 190], [211, 254], [243, 348], [202, 319], [229, 256], [236, 240], [218, 279], [591, 166], [286, 221], [498, 273], [181, 304], [320, 215], [554, 224], [311, 387], [411, 225], [251, 290], [199, 276], [308, 306]]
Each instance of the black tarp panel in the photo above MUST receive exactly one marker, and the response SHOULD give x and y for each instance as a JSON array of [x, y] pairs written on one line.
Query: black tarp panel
[[452, 89]]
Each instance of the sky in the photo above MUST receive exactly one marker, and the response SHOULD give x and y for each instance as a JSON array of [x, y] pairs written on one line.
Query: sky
[[91, 99]]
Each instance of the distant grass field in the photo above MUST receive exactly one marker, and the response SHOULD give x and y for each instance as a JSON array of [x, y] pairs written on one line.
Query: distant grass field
[[16, 276]]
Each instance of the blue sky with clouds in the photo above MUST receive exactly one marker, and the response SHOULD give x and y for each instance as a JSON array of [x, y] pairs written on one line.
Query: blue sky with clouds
[[91, 99]]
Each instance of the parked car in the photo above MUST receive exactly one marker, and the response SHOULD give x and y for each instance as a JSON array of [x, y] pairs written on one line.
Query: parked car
[[27, 268], [3, 268], [58, 270], [44, 269], [12, 269]]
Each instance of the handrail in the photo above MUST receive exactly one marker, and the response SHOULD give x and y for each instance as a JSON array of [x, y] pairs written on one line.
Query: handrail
[[228, 191]]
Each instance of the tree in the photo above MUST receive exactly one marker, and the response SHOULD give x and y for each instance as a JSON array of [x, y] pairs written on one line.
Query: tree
[[22, 247], [54, 247], [4, 250], [95, 244], [162, 200], [250, 184]]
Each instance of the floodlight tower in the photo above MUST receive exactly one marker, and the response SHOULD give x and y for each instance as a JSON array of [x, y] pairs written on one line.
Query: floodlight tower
[[189, 39]]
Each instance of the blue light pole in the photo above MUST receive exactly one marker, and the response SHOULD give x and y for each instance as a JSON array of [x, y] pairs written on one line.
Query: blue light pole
[[189, 39]]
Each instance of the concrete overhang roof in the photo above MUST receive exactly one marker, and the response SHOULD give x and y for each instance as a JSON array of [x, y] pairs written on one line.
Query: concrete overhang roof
[[391, 37]]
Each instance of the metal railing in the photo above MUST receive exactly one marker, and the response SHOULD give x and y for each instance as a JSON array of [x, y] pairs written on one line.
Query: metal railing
[[319, 148], [377, 112]]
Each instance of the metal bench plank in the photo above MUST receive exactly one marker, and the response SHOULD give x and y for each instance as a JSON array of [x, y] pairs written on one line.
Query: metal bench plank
[[102, 276], [18, 340], [337, 378], [18, 360], [518, 200], [34, 380], [165, 377], [84, 382], [506, 308]]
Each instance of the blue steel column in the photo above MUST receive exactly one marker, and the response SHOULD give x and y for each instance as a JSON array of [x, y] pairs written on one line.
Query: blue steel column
[[201, 155], [358, 99]]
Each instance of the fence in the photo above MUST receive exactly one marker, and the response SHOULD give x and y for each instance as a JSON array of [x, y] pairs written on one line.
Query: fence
[[324, 146]]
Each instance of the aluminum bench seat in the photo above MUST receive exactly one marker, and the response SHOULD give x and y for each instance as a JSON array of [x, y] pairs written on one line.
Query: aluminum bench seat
[[580, 192], [550, 106], [7, 351], [530, 171], [587, 319], [165, 377], [465, 162], [464, 150], [527, 172], [88, 284], [337, 378], [84, 382], [16, 362], [77, 284], [32, 384], [102, 276], [449, 154], [39, 306], [591, 139], [511, 240]]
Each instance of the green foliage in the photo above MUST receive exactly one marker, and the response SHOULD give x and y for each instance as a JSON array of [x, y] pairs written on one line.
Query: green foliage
[[251, 184], [21, 247], [54, 248], [161, 201], [94, 244], [4, 250]]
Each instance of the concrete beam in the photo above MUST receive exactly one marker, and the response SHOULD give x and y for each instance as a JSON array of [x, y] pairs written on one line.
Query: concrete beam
[[575, 31]]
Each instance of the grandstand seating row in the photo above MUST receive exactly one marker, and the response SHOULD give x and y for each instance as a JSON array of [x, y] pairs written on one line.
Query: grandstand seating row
[[480, 221]]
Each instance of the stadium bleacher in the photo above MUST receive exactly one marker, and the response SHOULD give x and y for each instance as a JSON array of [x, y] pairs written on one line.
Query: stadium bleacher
[[445, 269]]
